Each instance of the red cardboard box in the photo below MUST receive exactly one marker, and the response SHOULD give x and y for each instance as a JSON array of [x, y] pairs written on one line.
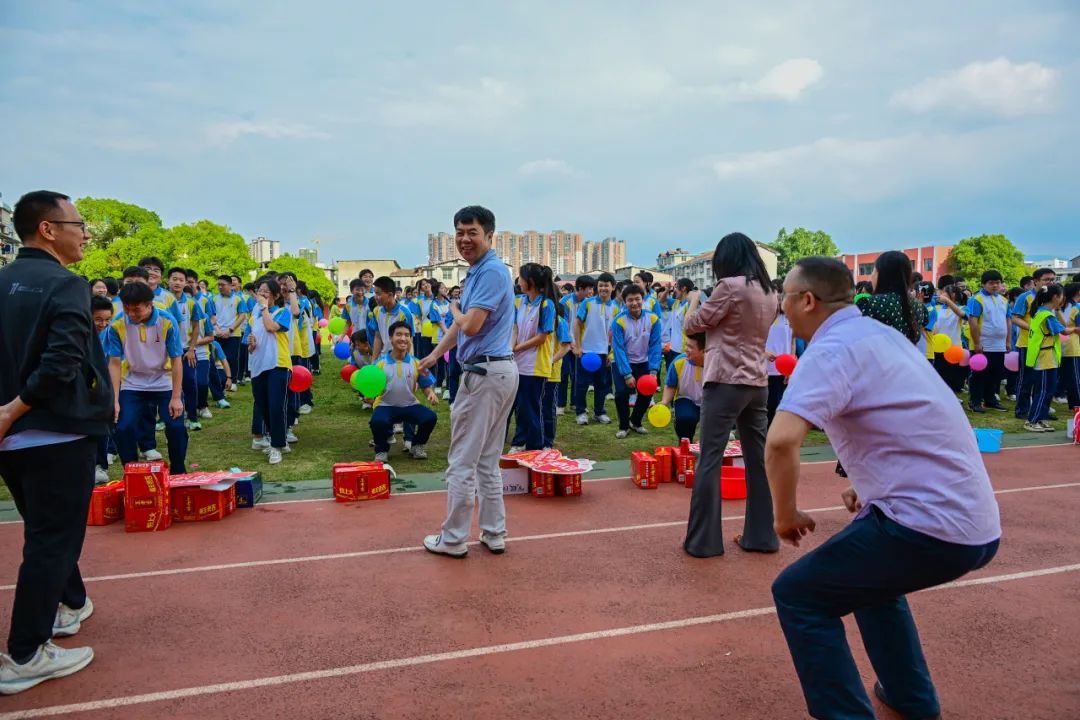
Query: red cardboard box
[[643, 470], [541, 484], [732, 483], [665, 464], [361, 481], [567, 485], [147, 506], [684, 462], [106, 504], [205, 502]]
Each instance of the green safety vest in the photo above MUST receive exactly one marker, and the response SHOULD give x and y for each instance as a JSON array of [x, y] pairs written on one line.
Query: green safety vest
[[1035, 340]]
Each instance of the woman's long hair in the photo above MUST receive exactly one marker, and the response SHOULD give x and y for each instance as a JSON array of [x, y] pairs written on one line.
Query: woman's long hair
[[894, 276], [1043, 296], [737, 255], [541, 278]]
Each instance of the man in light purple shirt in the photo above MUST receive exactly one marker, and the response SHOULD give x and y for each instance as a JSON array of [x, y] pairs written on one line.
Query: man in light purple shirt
[[925, 510]]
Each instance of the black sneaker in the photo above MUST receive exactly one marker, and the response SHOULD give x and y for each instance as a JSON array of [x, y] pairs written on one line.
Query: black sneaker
[[998, 406], [976, 408]]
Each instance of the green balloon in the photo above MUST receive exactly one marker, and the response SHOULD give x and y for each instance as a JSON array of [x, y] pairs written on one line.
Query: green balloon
[[336, 326], [369, 381]]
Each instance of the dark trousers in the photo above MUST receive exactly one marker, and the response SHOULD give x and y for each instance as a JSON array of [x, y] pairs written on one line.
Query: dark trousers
[[1043, 385], [622, 397], [867, 569], [51, 487], [231, 347], [599, 380], [1024, 386], [987, 382], [270, 392], [1070, 371], [687, 415], [215, 381], [527, 404], [669, 359], [242, 361], [133, 407], [316, 359], [953, 375], [190, 390], [777, 386], [723, 407], [549, 402], [453, 375], [384, 417], [300, 398], [566, 380]]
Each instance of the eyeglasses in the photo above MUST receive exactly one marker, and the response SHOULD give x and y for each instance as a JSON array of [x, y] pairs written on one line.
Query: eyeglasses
[[793, 293], [80, 223]]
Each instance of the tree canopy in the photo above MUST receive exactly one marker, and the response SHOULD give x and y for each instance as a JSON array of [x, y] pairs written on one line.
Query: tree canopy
[[108, 219], [314, 277], [972, 256], [799, 243]]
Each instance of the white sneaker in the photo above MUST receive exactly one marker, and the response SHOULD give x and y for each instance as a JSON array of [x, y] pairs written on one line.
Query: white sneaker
[[393, 439], [560, 411], [152, 456], [274, 456], [68, 621], [101, 475], [223, 403], [407, 445], [516, 448], [609, 396], [233, 387], [582, 419], [446, 394], [382, 457], [622, 434], [1061, 400], [604, 419], [194, 425], [495, 543], [435, 544], [286, 450], [399, 428], [639, 430], [262, 443], [110, 459], [205, 413], [49, 662], [1010, 398], [304, 409], [419, 452], [291, 437]]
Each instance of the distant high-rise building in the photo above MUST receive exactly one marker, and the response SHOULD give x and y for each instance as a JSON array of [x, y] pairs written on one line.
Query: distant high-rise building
[[671, 258], [606, 254], [441, 247], [264, 251], [309, 254], [560, 250]]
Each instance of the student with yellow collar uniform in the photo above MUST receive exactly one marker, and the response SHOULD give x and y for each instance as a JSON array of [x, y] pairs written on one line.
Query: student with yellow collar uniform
[[1070, 351], [592, 334], [988, 319], [229, 318], [636, 346], [1020, 316], [190, 326], [1043, 356], [270, 362], [683, 387], [560, 344], [145, 361], [397, 403], [155, 274], [584, 287], [534, 322], [674, 338]]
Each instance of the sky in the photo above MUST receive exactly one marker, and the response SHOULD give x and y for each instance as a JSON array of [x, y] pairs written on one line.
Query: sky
[[887, 125]]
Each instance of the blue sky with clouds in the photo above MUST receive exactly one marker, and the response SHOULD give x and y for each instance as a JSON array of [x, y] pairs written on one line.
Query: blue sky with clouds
[[666, 124]]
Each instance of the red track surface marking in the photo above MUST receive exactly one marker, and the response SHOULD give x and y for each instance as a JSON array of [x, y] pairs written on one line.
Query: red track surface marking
[[996, 648]]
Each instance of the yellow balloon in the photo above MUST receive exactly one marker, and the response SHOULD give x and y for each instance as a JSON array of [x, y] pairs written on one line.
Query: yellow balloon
[[941, 342], [659, 416]]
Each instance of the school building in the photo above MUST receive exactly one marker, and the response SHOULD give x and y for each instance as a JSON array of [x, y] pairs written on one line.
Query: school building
[[930, 260]]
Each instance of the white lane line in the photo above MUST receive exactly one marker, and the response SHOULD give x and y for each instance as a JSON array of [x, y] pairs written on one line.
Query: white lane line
[[417, 548], [413, 661]]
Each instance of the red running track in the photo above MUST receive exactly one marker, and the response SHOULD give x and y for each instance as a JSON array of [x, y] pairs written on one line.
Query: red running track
[[316, 609]]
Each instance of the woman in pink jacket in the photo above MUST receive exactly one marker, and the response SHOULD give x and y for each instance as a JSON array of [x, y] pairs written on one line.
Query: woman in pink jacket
[[736, 319]]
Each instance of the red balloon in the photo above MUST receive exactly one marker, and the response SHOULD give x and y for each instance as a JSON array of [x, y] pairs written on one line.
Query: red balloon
[[347, 371], [301, 379], [785, 364], [646, 385]]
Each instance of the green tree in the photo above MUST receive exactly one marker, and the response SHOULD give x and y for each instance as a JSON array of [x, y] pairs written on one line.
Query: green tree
[[314, 277], [210, 248], [108, 219], [972, 256], [127, 250], [800, 243]]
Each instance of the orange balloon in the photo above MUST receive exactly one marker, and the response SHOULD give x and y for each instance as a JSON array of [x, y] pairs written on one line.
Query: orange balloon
[[954, 354]]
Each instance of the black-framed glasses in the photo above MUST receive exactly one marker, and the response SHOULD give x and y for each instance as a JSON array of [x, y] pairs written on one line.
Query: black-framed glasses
[[846, 298], [80, 223]]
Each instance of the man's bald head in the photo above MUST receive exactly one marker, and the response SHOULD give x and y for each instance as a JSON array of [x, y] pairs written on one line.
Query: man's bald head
[[827, 278]]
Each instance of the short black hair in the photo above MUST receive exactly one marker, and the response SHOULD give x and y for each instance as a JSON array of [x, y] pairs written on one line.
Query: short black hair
[[632, 289], [476, 214], [568, 287], [991, 276], [31, 210], [358, 337], [645, 275], [1070, 290], [250, 287], [365, 271], [1014, 293], [136, 294], [685, 283], [226, 278], [1025, 280], [945, 281], [97, 302], [152, 261], [136, 271], [111, 286], [1041, 272], [191, 274], [584, 282], [180, 270], [828, 278], [394, 327], [385, 283], [355, 283], [237, 278], [287, 274], [698, 338], [605, 277]]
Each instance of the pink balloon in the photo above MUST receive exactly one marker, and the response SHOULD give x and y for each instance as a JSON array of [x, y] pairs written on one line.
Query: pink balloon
[[967, 358], [324, 322], [1012, 361], [978, 362]]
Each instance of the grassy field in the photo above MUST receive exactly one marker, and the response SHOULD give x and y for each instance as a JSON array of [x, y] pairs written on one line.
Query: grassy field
[[337, 431]]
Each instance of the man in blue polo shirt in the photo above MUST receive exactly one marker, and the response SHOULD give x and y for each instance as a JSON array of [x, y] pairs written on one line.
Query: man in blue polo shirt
[[489, 381]]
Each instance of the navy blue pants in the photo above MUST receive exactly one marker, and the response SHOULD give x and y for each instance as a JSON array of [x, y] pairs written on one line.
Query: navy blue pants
[[240, 369], [231, 347], [453, 375], [622, 397], [133, 407], [190, 389], [1070, 371], [527, 404], [1024, 386], [687, 415], [567, 379], [1043, 386], [384, 417], [599, 379], [549, 402], [270, 391], [866, 569]]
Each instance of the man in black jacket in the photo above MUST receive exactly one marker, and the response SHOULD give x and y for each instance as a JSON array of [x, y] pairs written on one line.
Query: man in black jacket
[[56, 399]]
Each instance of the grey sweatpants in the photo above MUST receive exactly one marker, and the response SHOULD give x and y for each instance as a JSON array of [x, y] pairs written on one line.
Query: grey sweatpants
[[477, 436], [722, 407]]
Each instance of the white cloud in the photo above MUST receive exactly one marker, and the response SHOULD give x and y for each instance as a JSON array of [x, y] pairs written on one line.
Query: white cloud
[[789, 79], [224, 133], [998, 86], [546, 167], [452, 105]]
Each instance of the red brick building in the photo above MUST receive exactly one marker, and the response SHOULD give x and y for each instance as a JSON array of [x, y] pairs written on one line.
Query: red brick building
[[929, 260]]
